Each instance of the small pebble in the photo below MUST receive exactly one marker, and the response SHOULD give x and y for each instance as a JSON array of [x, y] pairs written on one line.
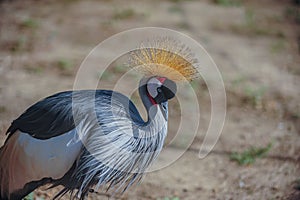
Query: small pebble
[[241, 184]]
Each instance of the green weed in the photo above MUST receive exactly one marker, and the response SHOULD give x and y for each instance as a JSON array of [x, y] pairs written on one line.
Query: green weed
[[255, 95], [64, 65], [106, 75], [124, 14], [238, 81], [2, 109], [183, 25], [250, 17], [227, 2], [250, 155], [278, 46], [195, 84], [175, 9], [119, 68], [34, 69], [29, 23]]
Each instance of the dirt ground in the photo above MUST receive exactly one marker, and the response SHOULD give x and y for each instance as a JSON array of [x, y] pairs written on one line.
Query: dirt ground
[[255, 45]]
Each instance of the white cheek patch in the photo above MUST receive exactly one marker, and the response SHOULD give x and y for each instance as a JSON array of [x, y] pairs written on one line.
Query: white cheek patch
[[152, 86]]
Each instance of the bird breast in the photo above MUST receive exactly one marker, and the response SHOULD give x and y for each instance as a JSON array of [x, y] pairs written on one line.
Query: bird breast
[[32, 159]]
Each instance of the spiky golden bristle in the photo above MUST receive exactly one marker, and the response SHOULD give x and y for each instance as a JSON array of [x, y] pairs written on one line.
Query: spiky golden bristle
[[165, 57]]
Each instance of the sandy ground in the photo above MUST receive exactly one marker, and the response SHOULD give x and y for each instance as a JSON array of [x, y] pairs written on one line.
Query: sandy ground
[[255, 45]]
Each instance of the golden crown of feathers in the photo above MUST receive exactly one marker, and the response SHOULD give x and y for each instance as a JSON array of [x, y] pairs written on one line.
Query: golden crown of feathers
[[165, 57]]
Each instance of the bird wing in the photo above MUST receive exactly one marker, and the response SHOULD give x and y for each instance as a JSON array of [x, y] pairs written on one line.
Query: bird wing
[[53, 115], [47, 118]]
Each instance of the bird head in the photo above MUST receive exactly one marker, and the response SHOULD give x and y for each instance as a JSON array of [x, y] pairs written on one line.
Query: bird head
[[166, 62], [161, 89]]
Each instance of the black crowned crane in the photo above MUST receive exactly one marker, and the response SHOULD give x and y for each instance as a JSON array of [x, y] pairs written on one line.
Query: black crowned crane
[[93, 138]]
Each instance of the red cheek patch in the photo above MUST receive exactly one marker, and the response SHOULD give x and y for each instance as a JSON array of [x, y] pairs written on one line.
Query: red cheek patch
[[161, 79], [151, 99]]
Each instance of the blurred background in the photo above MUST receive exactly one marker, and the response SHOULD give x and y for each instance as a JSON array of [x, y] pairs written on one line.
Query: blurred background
[[256, 45]]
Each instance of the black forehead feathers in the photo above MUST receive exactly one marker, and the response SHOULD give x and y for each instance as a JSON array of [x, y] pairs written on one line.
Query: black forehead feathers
[[169, 88]]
